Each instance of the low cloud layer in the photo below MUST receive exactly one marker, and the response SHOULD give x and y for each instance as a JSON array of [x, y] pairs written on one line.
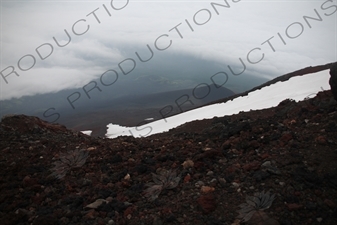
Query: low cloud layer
[[269, 38]]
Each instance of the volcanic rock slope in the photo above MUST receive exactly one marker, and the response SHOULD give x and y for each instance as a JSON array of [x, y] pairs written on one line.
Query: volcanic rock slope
[[198, 173]]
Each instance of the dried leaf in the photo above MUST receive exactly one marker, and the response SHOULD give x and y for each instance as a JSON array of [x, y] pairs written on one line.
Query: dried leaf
[[67, 161], [246, 217], [255, 205], [172, 181], [159, 179], [245, 210], [250, 201], [261, 218], [266, 200], [153, 192], [166, 179]]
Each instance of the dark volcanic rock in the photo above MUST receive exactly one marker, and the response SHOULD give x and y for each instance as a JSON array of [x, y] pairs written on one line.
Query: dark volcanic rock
[[333, 80], [289, 150]]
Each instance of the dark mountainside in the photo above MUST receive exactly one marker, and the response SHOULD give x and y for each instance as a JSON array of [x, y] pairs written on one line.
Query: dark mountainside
[[133, 110], [106, 107], [199, 173], [112, 104], [124, 105]]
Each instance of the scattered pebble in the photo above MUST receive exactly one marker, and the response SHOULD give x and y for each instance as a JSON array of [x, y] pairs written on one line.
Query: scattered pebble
[[96, 204], [274, 170], [207, 189], [282, 183], [214, 182], [199, 184], [127, 177], [236, 185], [188, 164], [222, 182], [111, 222], [210, 173], [266, 164], [91, 148], [223, 161]]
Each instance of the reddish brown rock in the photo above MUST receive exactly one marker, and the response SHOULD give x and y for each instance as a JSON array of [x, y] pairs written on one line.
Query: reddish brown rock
[[207, 189], [286, 138], [207, 203], [255, 165], [45, 220], [321, 140], [265, 156], [29, 182], [91, 214], [308, 170], [294, 206], [330, 203], [129, 211], [254, 144], [187, 178]]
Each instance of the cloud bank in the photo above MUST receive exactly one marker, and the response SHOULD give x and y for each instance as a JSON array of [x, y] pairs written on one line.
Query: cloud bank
[[50, 46]]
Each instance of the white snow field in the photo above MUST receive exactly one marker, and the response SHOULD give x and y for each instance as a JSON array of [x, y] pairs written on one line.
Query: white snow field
[[297, 88]]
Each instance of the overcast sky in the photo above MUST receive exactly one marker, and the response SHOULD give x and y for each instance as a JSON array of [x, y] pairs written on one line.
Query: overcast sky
[[118, 29]]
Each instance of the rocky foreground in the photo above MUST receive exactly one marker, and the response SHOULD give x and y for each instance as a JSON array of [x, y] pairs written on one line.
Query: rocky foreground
[[272, 166]]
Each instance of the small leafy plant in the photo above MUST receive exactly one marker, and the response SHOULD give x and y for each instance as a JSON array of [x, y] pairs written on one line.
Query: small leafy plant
[[166, 179], [67, 161], [254, 208]]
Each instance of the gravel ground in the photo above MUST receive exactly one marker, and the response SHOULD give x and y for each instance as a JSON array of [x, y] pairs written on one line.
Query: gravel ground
[[198, 173]]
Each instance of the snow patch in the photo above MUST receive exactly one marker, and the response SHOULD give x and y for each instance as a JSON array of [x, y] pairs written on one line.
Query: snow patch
[[87, 132], [297, 88]]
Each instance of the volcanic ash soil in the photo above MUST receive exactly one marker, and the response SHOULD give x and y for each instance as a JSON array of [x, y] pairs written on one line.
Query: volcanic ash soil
[[198, 173]]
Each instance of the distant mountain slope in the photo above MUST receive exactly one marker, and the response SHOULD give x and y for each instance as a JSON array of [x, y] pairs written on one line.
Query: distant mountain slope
[[129, 105], [134, 110]]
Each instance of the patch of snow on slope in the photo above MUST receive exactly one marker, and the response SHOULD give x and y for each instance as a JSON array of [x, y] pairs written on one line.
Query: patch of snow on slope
[[297, 88], [87, 132]]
